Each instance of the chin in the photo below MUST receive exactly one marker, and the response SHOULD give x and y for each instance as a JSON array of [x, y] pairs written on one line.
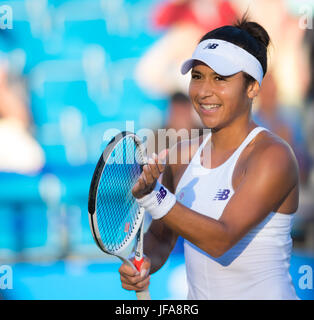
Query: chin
[[213, 125]]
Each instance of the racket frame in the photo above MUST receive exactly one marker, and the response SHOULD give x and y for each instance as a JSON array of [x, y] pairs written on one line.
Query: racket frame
[[138, 229], [92, 201]]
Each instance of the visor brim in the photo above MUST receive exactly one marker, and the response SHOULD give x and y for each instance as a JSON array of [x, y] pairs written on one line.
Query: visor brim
[[220, 65]]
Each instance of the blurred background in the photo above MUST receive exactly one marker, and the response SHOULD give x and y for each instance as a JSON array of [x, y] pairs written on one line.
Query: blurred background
[[72, 69]]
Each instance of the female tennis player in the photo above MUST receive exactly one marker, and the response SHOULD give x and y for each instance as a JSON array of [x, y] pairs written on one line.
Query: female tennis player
[[234, 202]]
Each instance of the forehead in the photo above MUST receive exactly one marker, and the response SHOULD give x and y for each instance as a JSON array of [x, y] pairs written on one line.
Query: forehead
[[199, 65]]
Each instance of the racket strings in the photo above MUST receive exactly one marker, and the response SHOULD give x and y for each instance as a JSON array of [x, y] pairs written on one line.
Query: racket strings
[[117, 210]]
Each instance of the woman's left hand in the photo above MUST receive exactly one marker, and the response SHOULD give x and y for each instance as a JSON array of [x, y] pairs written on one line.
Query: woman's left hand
[[150, 174]]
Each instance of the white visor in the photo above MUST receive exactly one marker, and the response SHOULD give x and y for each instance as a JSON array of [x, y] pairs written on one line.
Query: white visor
[[225, 59]]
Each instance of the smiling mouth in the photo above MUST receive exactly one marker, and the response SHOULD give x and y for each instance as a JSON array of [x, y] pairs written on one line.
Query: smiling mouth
[[208, 107]]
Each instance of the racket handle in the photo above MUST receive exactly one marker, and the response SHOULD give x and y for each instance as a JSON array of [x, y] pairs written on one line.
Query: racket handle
[[138, 263], [138, 259], [143, 295]]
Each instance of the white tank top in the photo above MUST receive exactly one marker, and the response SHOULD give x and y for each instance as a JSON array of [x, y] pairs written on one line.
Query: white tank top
[[257, 267]]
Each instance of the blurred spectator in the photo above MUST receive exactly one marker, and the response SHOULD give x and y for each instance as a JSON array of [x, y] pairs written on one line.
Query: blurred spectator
[[181, 113], [202, 13], [288, 59], [181, 119], [309, 41], [19, 151], [309, 112], [184, 21], [273, 116]]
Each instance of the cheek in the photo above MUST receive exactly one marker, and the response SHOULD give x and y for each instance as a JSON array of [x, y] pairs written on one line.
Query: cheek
[[227, 97], [233, 96], [191, 90]]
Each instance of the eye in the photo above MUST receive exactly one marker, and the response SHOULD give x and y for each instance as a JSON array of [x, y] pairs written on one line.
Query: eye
[[195, 76], [220, 78]]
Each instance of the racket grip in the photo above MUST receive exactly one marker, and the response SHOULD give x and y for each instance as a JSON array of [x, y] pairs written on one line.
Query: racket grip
[[138, 263], [143, 295]]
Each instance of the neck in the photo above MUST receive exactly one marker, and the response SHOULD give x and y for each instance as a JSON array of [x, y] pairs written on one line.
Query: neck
[[231, 136], [268, 113]]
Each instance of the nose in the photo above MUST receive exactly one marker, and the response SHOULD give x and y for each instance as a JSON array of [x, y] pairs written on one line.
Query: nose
[[205, 90]]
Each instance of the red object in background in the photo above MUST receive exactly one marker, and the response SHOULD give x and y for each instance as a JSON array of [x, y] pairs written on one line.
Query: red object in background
[[169, 13]]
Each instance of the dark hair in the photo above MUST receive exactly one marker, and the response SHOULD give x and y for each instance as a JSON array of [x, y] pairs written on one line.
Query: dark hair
[[179, 97], [248, 35]]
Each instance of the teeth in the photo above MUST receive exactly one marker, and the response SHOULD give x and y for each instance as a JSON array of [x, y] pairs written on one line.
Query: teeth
[[210, 106]]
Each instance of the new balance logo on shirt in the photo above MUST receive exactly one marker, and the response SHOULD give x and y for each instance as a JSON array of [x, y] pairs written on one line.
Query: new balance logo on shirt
[[222, 194]]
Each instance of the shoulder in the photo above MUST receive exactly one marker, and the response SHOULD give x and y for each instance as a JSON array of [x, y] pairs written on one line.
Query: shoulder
[[272, 156], [268, 147]]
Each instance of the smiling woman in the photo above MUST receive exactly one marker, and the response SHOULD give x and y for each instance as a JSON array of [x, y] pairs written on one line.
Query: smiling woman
[[234, 202], [228, 66], [216, 98]]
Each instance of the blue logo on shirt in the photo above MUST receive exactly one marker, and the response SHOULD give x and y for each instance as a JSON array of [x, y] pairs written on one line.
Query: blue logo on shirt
[[222, 194]]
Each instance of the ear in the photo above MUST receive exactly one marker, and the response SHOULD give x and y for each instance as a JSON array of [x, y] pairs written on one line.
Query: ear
[[253, 90]]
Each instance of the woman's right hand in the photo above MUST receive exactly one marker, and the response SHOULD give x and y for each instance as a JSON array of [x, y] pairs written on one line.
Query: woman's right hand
[[132, 279]]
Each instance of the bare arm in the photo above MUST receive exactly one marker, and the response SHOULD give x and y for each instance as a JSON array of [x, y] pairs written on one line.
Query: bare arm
[[160, 239], [271, 175]]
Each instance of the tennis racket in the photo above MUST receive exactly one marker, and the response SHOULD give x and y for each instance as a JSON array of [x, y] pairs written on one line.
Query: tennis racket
[[115, 217]]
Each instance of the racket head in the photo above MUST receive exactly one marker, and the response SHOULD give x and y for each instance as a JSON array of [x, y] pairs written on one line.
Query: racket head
[[114, 215]]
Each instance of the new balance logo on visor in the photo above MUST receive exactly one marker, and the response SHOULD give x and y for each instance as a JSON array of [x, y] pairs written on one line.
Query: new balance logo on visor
[[222, 194], [161, 194], [211, 46]]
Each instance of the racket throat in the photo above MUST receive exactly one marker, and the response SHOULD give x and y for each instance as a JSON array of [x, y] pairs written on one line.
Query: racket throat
[[138, 259]]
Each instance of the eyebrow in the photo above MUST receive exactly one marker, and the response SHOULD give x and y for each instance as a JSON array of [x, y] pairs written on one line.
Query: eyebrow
[[213, 73], [195, 71]]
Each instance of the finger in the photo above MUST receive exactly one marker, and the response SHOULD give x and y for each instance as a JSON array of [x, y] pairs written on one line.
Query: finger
[[130, 281], [160, 166], [135, 278], [134, 281], [143, 180], [161, 159], [148, 176], [127, 271], [162, 156], [139, 187], [143, 285], [138, 286], [154, 168], [146, 263]]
